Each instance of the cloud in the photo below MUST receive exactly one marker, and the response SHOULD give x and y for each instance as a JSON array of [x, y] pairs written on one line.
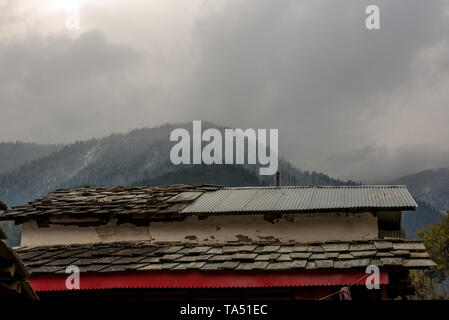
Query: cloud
[[351, 102], [312, 70], [55, 86]]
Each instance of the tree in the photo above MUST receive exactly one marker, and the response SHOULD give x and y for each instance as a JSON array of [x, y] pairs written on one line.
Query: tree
[[433, 283]]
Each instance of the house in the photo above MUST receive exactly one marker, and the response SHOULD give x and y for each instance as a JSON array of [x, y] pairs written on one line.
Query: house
[[193, 242], [13, 275]]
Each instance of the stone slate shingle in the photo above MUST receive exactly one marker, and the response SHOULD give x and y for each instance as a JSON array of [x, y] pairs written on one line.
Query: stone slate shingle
[[121, 256], [127, 204]]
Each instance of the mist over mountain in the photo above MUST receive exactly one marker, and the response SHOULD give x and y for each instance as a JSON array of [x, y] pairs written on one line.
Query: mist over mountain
[[431, 186], [424, 216], [119, 159], [113, 160], [14, 154]]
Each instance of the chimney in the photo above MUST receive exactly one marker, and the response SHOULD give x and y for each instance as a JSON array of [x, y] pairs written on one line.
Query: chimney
[[277, 179]]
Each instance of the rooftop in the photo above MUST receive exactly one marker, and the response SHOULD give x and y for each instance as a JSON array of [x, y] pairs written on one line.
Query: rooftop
[[127, 204], [141, 205], [13, 275], [303, 199], [144, 256]]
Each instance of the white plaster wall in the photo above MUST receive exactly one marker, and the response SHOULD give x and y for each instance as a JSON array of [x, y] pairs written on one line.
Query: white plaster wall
[[32, 235], [215, 229], [218, 229]]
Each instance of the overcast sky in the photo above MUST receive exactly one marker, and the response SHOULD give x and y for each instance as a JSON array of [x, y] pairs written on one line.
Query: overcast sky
[[354, 103]]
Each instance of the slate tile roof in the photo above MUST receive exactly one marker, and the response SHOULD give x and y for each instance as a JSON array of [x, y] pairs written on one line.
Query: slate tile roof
[[141, 256], [13, 274], [127, 204]]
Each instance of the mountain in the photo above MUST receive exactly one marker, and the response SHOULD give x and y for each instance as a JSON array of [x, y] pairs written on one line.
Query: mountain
[[113, 160], [239, 176], [424, 216], [430, 186], [119, 159], [227, 176], [431, 190], [15, 154]]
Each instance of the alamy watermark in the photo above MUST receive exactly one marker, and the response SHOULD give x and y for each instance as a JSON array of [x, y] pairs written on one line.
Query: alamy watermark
[[72, 281], [372, 21], [373, 280], [189, 149], [72, 8]]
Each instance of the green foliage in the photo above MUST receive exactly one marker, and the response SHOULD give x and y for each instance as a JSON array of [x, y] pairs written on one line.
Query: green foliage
[[426, 285], [433, 283], [436, 240]]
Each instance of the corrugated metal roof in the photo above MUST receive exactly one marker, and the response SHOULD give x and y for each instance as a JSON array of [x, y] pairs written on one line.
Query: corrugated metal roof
[[302, 199]]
